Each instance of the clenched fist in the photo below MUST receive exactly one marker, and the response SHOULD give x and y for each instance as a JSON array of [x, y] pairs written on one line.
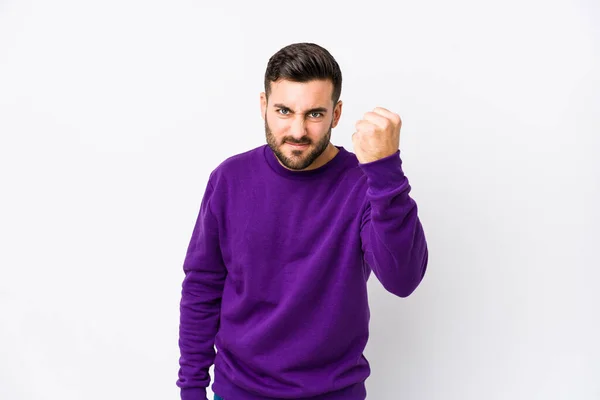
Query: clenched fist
[[377, 135]]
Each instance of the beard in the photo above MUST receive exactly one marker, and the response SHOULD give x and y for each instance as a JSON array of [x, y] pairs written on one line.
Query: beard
[[300, 159]]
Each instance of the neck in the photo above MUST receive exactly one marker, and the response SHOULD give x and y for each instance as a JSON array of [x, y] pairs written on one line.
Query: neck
[[325, 157]]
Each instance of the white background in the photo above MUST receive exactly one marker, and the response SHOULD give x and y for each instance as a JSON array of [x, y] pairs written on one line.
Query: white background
[[113, 114]]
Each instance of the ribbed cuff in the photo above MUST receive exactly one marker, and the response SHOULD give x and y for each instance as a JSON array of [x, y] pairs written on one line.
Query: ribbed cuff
[[193, 394], [385, 173]]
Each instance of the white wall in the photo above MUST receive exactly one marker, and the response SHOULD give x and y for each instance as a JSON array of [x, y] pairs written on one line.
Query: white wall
[[113, 113]]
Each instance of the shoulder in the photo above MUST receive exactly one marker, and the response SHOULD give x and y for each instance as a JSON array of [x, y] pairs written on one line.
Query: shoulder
[[236, 165]]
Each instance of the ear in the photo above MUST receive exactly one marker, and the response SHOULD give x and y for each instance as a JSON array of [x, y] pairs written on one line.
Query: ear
[[263, 104], [337, 113]]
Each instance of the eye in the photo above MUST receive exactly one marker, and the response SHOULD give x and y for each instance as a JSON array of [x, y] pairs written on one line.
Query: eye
[[282, 109], [318, 114]]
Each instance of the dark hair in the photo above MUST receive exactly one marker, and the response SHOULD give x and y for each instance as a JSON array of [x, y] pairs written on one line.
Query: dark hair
[[303, 62]]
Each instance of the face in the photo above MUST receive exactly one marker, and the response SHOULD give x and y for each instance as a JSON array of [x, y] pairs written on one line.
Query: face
[[298, 119]]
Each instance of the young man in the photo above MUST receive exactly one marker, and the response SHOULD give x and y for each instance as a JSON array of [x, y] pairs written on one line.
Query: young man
[[286, 237]]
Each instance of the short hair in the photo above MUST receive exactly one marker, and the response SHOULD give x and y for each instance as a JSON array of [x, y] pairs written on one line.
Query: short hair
[[303, 62]]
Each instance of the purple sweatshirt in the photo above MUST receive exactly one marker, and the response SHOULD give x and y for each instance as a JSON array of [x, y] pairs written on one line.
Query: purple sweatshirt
[[276, 275]]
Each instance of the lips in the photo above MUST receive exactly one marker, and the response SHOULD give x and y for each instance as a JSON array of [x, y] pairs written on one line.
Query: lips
[[299, 145]]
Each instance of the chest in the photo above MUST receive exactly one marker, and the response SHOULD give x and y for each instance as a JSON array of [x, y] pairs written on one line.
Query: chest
[[270, 225]]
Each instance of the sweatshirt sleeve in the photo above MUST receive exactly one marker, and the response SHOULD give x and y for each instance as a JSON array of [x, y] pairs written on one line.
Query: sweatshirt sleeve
[[393, 241], [200, 304]]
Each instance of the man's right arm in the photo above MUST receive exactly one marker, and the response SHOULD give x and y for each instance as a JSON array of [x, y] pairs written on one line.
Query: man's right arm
[[200, 305]]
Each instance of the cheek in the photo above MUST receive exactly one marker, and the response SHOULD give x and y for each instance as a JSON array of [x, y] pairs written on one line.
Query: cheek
[[277, 126], [317, 129]]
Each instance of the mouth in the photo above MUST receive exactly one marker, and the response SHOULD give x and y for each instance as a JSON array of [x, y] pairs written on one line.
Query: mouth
[[298, 145]]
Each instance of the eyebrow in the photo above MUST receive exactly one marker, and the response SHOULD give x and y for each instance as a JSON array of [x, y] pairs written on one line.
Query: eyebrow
[[316, 109]]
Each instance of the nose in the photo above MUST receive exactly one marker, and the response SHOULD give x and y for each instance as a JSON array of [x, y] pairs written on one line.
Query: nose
[[298, 128]]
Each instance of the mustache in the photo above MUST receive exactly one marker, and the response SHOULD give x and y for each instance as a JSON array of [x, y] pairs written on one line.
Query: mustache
[[296, 141]]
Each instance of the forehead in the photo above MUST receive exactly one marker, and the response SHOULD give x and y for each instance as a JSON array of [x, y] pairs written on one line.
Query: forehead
[[302, 95]]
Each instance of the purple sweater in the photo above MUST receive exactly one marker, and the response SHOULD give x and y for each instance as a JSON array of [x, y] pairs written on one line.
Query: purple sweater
[[276, 275]]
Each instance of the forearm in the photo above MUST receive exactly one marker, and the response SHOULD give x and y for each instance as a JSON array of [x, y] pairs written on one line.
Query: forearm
[[199, 322], [394, 243]]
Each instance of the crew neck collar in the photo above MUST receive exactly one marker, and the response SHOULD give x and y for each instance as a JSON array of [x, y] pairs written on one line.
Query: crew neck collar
[[281, 170]]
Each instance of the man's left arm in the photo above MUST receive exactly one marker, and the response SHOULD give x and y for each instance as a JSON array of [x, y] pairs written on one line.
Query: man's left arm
[[393, 240]]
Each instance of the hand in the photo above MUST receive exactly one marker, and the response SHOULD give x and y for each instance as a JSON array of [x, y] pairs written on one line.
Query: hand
[[377, 135]]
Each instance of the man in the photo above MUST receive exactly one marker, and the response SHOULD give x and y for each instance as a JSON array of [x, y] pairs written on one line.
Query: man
[[286, 237]]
